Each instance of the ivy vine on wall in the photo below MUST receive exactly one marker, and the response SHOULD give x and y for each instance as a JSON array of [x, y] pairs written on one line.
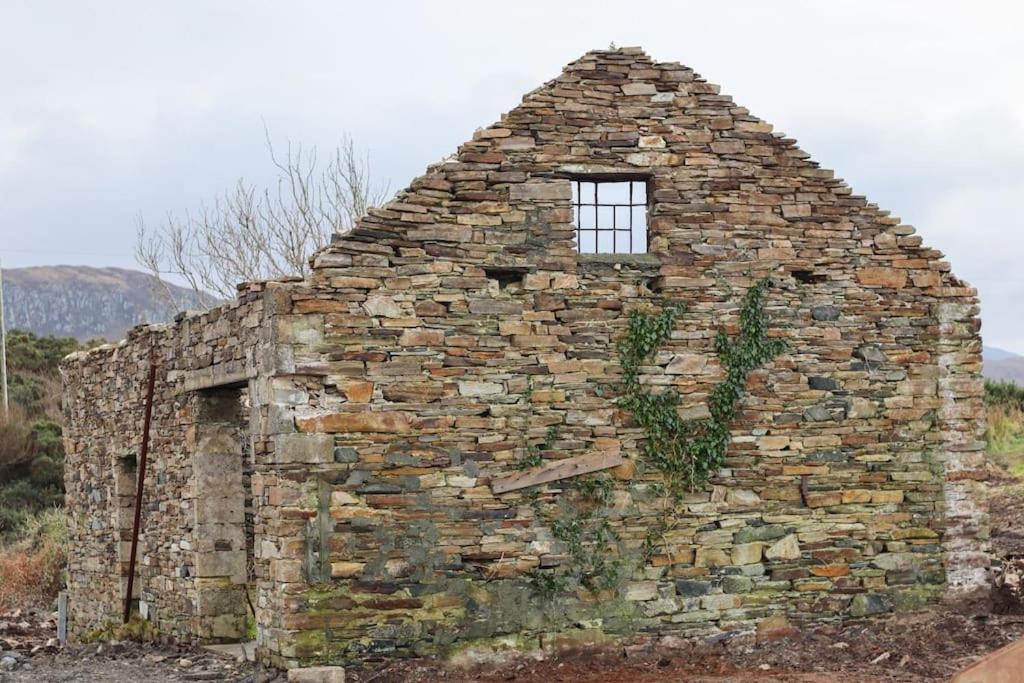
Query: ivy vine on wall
[[685, 452]]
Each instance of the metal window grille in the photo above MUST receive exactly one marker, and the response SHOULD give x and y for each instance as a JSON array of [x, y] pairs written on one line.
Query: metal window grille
[[610, 216]]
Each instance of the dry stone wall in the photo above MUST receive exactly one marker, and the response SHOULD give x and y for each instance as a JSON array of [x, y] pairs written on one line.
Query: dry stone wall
[[455, 335], [104, 402]]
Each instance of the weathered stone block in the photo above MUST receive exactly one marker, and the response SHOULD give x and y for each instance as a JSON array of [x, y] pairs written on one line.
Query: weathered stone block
[[746, 553], [638, 89], [686, 365], [737, 584], [228, 626], [346, 569], [882, 277], [866, 604], [357, 392], [217, 471], [304, 448], [861, 409], [211, 508], [887, 496], [766, 532], [871, 354], [380, 422], [711, 557], [471, 388], [383, 306], [421, 338], [317, 674], [691, 588], [541, 190], [219, 595], [825, 313], [230, 563], [717, 602], [822, 384], [642, 590], [786, 548]]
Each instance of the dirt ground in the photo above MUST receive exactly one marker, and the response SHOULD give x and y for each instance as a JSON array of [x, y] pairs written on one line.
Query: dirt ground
[[929, 645], [27, 637], [925, 646]]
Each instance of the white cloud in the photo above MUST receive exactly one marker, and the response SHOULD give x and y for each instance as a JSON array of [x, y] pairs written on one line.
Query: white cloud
[[112, 108]]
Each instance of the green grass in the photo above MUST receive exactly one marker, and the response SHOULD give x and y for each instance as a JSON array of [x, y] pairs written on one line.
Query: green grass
[[1004, 438]]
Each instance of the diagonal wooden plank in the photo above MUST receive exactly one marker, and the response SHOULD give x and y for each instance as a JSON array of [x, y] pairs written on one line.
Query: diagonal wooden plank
[[553, 471], [1005, 665]]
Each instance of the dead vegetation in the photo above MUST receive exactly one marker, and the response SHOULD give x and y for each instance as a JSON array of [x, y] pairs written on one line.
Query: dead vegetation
[[32, 567]]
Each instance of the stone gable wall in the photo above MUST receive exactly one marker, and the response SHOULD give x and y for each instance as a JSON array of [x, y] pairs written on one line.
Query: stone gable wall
[[455, 326]]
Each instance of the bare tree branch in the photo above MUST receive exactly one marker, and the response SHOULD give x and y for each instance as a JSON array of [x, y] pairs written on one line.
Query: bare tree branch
[[251, 233]]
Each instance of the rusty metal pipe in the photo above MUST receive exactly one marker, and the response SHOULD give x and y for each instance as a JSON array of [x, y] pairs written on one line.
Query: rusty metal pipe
[[144, 451]]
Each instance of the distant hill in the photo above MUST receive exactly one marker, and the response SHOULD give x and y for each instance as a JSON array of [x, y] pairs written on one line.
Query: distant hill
[[1001, 364], [83, 302]]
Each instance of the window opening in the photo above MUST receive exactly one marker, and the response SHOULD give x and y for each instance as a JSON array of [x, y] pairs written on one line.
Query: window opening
[[610, 216], [505, 275], [808, 277]]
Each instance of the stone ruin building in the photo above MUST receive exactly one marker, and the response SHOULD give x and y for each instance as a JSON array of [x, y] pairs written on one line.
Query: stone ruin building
[[390, 457]]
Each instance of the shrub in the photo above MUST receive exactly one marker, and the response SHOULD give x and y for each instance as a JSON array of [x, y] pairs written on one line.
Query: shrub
[[31, 445], [24, 497], [26, 351], [26, 391], [16, 443], [1004, 437], [1004, 393], [31, 467], [12, 520], [32, 568]]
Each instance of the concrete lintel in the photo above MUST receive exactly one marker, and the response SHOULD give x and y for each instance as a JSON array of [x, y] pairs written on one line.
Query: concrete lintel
[[221, 375]]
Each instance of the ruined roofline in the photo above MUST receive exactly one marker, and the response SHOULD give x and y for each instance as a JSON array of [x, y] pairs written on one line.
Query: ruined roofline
[[380, 220], [246, 291]]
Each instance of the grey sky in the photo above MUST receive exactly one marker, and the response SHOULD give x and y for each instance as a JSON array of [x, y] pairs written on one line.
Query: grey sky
[[109, 110]]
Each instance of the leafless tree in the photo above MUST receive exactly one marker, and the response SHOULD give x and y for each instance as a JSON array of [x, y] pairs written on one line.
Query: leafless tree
[[249, 233]]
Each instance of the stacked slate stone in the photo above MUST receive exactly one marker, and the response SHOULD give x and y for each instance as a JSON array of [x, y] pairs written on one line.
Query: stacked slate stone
[[104, 399], [456, 330]]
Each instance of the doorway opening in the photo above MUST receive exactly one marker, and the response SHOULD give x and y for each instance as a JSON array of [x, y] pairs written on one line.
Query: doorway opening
[[223, 533]]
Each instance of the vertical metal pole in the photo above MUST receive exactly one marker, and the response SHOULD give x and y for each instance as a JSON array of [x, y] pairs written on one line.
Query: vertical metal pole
[[139, 483], [3, 344]]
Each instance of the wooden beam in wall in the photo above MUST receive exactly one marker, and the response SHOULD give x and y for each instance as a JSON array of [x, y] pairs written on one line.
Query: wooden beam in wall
[[553, 471]]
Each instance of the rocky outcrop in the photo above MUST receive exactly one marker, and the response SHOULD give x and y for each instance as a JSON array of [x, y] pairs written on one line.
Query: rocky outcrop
[[86, 303]]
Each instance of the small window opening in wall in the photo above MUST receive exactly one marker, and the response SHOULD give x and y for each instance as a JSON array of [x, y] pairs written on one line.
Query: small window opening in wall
[[610, 216], [808, 277], [130, 463], [505, 275]]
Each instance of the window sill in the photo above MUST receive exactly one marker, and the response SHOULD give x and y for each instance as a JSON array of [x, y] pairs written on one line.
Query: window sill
[[623, 259]]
